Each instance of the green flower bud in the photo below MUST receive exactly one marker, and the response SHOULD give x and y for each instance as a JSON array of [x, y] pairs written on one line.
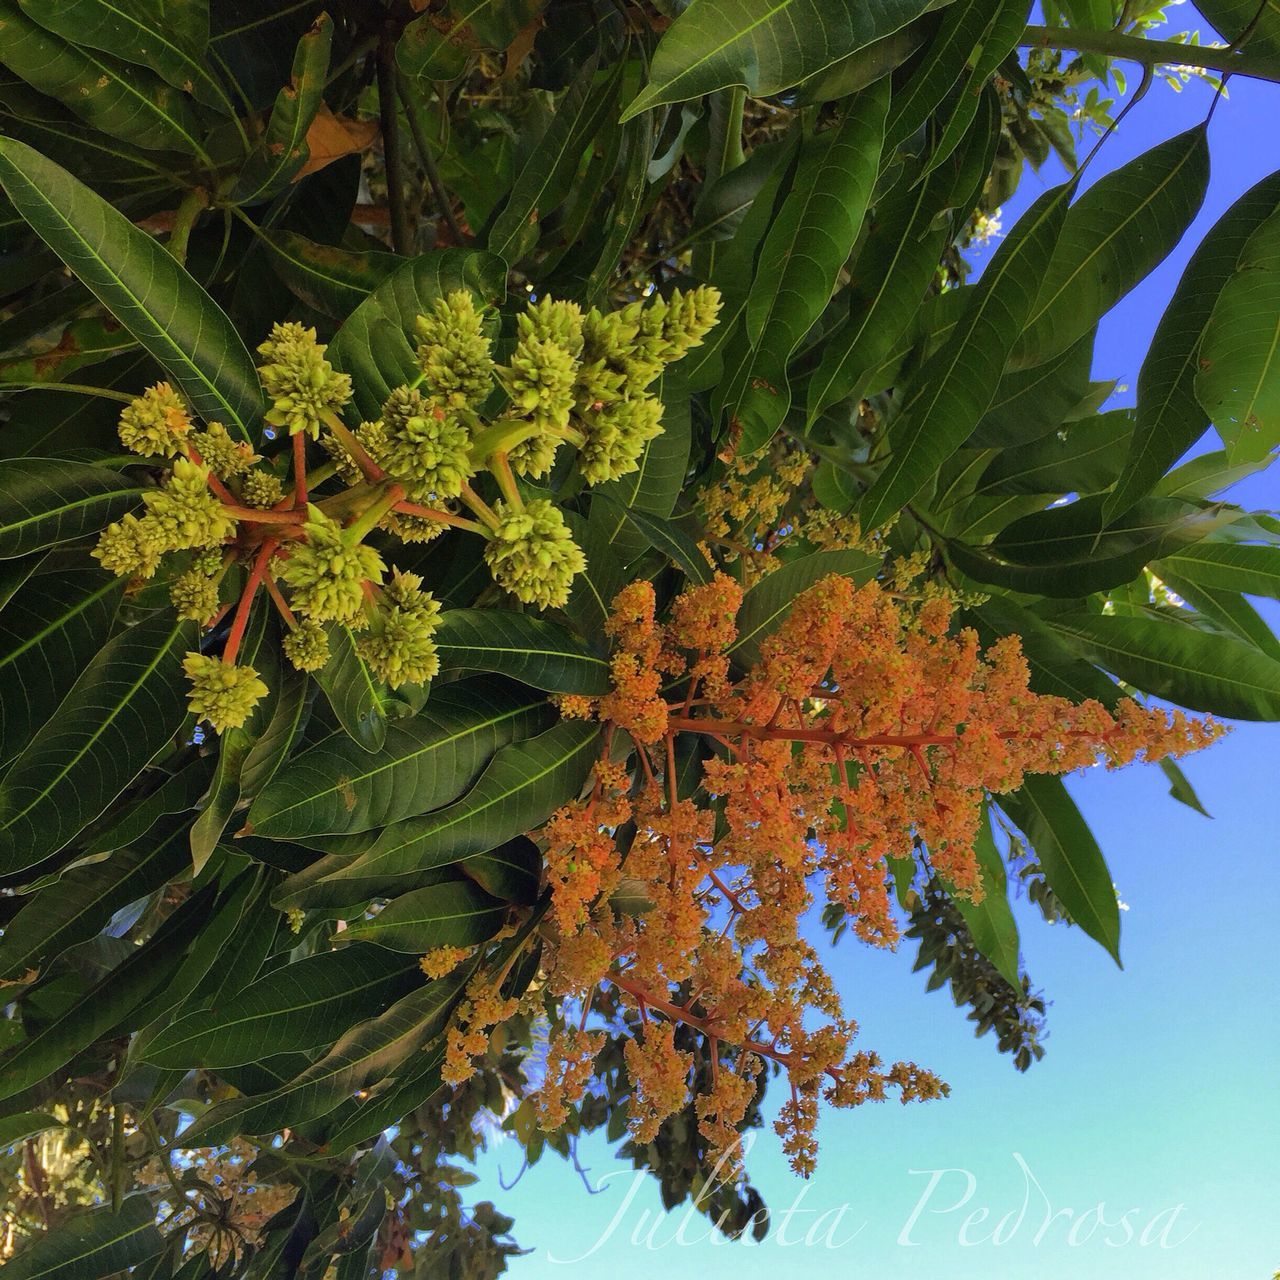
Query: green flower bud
[[616, 437], [411, 528], [687, 319], [301, 384], [424, 447], [261, 489], [208, 562], [184, 513], [195, 595], [532, 553], [128, 548], [156, 422], [222, 694], [371, 437], [327, 574], [540, 380], [550, 320], [454, 352], [399, 644], [307, 645], [223, 456], [534, 455]]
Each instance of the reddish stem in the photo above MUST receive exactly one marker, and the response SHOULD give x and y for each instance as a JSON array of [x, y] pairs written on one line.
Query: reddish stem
[[273, 589], [240, 621], [443, 517], [299, 469], [214, 483]]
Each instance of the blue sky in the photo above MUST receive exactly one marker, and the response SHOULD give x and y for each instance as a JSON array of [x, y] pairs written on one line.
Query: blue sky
[[1152, 1126]]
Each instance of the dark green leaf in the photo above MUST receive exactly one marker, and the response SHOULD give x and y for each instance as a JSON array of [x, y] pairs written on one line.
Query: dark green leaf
[[141, 284], [300, 1006], [991, 922], [92, 1244], [537, 652], [358, 698], [1082, 457], [332, 280], [124, 709], [425, 762], [664, 536], [455, 913], [1069, 856], [46, 501]]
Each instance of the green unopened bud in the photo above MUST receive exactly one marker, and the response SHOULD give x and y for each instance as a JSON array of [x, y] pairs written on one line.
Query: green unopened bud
[[689, 317], [327, 574], [156, 422], [222, 694], [551, 320], [128, 548], [616, 437], [425, 448], [540, 380], [195, 595], [411, 528], [399, 644], [532, 553], [261, 489], [454, 352], [307, 645], [223, 456], [301, 384], [184, 513]]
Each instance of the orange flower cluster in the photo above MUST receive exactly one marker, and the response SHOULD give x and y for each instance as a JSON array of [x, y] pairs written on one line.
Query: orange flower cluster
[[864, 731]]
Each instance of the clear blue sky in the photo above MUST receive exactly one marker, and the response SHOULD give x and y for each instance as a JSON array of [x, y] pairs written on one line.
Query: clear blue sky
[[1156, 1104]]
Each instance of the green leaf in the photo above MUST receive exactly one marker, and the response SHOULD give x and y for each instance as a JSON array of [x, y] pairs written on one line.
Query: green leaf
[[26, 1124], [81, 345], [1072, 863], [332, 280], [81, 902], [297, 1007], [1083, 457], [438, 46], [1170, 419], [375, 344], [170, 39], [106, 1004], [1115, 235], [1180, 787], [1229, 611], [47, 501], [282, 150], [1230, 566], [427, 761], [665, 536], [123, 710], [991, 922], [955, 386], [807, 245], [107, 94], [1206, 476], [1201, 670], [892, 271], [512, 872], [53, 625], [538, 653], [521, 787], [547, 176], [366, 1054], [455, 913], [92, 1245], [358, 698], [764, 45], [1066, 552], [141, 284], [767, 604], [360, 1120], [1238, 375]]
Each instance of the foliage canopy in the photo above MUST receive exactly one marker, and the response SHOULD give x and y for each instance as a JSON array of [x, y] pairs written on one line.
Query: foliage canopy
[[505, 505]]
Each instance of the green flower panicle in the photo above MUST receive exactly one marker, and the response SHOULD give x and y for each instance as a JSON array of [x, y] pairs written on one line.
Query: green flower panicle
[[532, 553], [455, 353], [184, 513], [307, 645], [223, 694], [195, 595], [261, 489], [301, 384], [225, 457], [129, 548], [399, 643], [551, 320], [616, 437], [424, 447], [155, 423], [328, 573]]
